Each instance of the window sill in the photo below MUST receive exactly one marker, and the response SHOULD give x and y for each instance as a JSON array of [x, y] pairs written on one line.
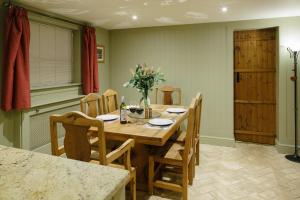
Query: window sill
[[54, 94], [57, 102], [38, 89]]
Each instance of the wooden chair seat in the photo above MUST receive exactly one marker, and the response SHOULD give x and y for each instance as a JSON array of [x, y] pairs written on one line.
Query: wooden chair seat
[[181, 137], [174, 156], [175, 152]]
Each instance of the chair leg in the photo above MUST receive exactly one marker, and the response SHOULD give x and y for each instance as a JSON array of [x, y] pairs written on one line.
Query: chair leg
[[190, 170], [198, 153], [194, 165], [185, 182], [133, 187], [150, 175], [194, 161]]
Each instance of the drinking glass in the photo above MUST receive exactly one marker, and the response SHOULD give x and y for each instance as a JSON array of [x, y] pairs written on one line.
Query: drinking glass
[[133, 104], [139, 111], [132, 108]]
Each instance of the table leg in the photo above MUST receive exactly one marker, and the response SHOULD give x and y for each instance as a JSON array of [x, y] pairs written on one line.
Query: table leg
[[140, 162]]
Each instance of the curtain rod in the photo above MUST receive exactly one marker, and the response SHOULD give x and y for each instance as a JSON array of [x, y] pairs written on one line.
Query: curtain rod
[[53, 16]]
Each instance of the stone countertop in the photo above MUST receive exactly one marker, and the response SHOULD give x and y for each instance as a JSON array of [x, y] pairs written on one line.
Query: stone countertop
[[30, 175]]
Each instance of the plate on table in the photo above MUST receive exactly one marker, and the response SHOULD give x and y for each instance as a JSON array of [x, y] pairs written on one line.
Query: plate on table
[[107, 117], [176, 110], [160, 122]]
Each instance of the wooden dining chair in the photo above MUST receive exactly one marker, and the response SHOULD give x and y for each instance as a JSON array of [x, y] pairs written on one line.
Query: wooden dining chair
[[77, 144], [110, 100], [167, 95], [178, 155], [92, 105], [182, 134], [197, 131]]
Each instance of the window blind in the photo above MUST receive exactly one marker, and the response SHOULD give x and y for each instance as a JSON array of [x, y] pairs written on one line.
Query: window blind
[[51, 55]]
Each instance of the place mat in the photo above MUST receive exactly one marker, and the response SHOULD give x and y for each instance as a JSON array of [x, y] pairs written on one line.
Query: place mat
[[142, 116]]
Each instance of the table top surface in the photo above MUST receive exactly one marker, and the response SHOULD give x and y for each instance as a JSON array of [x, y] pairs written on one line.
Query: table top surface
[[30, 175], [143, 132]]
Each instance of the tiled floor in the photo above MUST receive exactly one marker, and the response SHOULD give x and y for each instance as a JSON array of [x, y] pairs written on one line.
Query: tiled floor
[[246, 172]]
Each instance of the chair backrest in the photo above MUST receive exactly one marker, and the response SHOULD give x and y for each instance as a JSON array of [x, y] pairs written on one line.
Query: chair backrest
[[167, 92], [76, 141], [198, 113], [110, 100], [189, 140], [92, 105]]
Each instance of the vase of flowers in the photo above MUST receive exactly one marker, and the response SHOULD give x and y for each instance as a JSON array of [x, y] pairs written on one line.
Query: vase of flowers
[[144, 78]]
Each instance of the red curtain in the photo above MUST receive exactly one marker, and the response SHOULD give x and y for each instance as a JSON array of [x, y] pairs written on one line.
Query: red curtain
[[89, 61], [15, 70]]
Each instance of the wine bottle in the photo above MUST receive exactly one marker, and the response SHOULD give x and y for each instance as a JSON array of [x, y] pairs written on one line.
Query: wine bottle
[[123, 111]]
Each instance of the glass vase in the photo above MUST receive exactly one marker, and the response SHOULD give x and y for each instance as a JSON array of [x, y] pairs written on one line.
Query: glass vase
[[146, 102]]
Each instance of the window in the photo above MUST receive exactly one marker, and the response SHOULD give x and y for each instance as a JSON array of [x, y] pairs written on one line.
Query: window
[[51, 55]]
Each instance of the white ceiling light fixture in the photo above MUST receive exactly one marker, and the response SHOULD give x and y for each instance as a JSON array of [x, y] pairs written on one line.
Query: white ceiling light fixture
[[224, 9], [134, 17]]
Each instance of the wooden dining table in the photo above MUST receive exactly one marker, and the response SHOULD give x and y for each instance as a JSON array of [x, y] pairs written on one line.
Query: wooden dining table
[[147, 138]]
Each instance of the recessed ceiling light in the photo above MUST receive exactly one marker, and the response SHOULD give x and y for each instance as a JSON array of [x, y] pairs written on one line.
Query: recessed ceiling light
[[145, 3], [224, 9], [134, 17]]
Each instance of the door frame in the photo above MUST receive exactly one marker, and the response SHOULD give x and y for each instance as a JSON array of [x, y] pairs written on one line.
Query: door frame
[[231, 28]]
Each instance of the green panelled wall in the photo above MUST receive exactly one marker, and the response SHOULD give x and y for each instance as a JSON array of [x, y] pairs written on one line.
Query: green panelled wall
[[103, 39], [200, 58]]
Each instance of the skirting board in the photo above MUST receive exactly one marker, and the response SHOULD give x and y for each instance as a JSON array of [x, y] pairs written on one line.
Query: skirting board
[[281, 148], [285, 148], [228, 142]]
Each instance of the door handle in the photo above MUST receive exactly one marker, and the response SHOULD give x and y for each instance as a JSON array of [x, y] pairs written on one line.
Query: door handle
[[238, 77]]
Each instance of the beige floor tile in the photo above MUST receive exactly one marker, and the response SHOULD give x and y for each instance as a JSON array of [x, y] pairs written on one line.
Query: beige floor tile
[[245, 172]]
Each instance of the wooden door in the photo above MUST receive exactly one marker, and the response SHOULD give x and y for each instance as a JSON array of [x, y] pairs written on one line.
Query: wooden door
[[255, 85]]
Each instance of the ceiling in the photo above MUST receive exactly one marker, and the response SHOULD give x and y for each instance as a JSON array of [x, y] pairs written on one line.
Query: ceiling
[[117, 14]]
